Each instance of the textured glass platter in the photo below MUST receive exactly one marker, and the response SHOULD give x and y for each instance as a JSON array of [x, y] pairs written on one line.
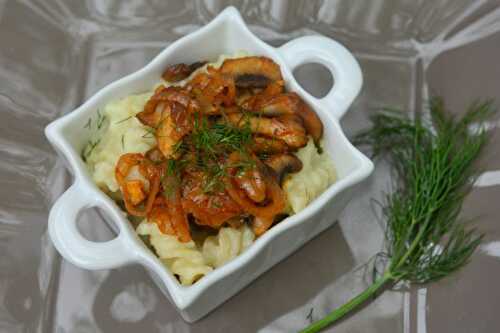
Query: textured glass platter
[[55, 54]]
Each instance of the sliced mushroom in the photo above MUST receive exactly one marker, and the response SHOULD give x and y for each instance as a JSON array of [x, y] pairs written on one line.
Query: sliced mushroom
[[212, 90], [252, 182], [255, 72], [283, 164], [291, 103], [268, 145], [251, 81], [248, 98], [288, 128], [195, 65], [274, 88], [265, 212], [179, 72], [312, 123], [278, 105], [154, 108]]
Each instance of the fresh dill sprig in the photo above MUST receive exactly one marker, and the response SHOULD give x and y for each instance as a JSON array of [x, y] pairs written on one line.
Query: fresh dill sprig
[[123, 141], [426, 241]]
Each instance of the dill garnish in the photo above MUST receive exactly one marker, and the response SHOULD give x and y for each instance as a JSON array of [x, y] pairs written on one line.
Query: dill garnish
[[100, 119], [150, 133], [426, 241], [205, 149], [124, 120], [174, 167], [179, 147], [123, 141], [211, 142], [89, 147], [219, 136]]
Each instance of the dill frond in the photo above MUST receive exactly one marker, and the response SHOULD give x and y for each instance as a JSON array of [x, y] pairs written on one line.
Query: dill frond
[[100, 119], [123, 120], [89, 148], [426, 239]]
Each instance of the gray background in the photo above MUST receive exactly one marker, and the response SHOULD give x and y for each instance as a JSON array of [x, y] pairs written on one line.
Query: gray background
[[55, 54]]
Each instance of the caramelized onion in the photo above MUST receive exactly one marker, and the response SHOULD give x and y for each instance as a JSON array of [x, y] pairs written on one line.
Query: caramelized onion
[[210, 209], [178, 72], [171, 219], [148, 171], [213, 90], [162, 98]]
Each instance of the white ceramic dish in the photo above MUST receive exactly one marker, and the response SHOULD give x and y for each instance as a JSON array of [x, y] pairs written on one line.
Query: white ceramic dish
[[226, 34]]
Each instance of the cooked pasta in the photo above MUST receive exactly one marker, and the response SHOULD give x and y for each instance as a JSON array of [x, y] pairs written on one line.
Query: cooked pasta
[[186, 260], [183, 259], [226, 245]]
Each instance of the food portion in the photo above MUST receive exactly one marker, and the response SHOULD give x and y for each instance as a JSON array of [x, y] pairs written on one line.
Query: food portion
[[210, 160]]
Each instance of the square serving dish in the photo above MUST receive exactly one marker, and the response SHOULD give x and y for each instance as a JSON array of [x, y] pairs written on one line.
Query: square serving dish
[[226, 34]]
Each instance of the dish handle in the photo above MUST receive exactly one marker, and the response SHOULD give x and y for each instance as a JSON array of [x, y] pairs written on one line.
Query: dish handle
[[345, 69], [69, 241]]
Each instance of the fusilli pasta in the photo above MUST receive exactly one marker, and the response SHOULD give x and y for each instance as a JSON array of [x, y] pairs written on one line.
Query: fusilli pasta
[[229, 242], [316, 175], [186, 260], [182, 259]]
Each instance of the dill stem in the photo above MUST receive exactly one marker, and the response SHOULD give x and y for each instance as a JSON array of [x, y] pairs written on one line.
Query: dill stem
[[412, 247], [340, 312]]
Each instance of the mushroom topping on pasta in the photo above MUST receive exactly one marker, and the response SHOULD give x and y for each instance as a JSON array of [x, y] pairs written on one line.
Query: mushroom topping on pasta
[[209, 170]]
